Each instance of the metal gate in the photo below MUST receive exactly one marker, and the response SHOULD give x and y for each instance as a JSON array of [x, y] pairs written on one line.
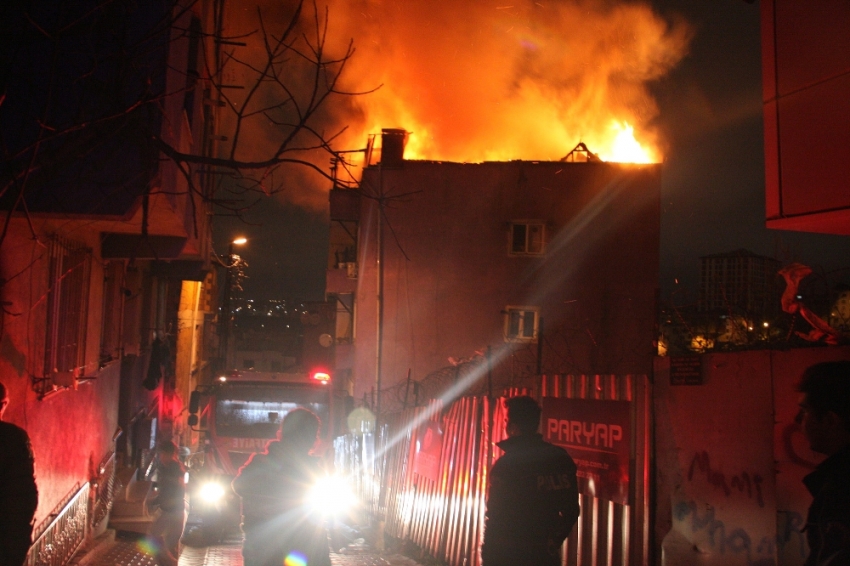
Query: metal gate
[[608, 533], [444, 514]]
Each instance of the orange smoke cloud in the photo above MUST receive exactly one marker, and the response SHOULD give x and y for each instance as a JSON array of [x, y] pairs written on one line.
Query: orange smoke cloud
[[476, 80], [480, 80]]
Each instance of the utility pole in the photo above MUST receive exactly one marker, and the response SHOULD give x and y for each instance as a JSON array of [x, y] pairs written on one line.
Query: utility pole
[[226, 309], [380, 296]]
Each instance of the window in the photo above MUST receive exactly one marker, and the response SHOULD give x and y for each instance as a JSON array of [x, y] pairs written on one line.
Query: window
[[67, 306], [344, 317], [527, 237], [521, 324]]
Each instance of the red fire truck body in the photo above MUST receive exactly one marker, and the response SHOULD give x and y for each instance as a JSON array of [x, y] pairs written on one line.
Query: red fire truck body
[[244, 413]]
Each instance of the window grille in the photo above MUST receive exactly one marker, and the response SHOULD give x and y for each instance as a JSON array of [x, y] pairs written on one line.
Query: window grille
[[67, 306]]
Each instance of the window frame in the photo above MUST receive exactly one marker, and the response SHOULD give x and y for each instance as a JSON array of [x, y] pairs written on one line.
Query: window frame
[[520, 336], [527, 224]]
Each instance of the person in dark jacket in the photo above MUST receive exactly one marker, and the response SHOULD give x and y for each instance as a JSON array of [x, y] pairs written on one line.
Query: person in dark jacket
[[277, 522], [18, 492], [532, 502], [824, 417], [170, 502]]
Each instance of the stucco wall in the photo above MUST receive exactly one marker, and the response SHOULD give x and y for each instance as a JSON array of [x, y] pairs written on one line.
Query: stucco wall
[[729, 460], [71, 430]]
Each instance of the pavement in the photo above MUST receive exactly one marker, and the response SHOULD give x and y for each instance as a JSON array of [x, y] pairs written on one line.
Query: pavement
[[120, 549]]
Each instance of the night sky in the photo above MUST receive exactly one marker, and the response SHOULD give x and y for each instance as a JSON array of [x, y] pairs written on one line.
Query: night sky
[[713, 181]]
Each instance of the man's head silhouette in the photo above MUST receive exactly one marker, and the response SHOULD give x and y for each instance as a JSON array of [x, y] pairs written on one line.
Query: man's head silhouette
[[300, 427]]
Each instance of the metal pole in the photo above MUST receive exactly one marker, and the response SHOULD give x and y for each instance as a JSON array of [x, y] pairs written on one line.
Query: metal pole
[[225, 308], [380, 295], [379, 543], [407, 388], [540, 348]]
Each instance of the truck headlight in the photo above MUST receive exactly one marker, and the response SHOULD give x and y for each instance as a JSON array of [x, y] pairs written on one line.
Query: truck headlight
[[212, 491], [331, 495]]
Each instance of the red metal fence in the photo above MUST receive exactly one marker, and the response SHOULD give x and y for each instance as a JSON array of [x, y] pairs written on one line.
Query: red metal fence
[[444, 514]]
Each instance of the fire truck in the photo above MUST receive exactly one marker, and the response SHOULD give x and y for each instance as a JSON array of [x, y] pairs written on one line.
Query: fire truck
[[238, 415]]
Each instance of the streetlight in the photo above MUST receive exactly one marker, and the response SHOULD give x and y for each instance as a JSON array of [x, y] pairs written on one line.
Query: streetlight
[[232, 263]]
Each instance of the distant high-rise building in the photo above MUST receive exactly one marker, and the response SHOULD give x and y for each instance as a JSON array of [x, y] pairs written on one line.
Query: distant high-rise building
[[739, 281]]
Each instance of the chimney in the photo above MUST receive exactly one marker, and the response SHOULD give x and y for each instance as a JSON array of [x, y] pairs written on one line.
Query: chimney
[[393, 141]]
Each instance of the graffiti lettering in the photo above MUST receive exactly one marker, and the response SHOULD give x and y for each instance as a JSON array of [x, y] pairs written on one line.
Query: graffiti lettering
[[743, 482], [790, 531], [804, 460], [737, 541]]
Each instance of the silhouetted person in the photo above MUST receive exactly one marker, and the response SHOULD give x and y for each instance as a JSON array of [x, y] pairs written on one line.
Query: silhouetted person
[[276, 520], [18, 492], [167, 527], [532, 502], [825, 419]]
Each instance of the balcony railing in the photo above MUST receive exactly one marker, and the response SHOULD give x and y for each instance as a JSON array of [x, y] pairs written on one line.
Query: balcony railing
[[102, 491], [63, 533]]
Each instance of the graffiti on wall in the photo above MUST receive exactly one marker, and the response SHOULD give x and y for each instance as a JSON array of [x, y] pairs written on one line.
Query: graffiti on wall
[[796, 447], [749, 484], [725, 540]]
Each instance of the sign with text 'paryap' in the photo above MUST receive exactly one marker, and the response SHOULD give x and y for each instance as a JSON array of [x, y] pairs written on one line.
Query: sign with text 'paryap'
[[597, 434]]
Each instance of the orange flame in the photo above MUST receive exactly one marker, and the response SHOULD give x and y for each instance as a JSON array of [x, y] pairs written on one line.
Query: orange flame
[[624, 148], [474, 83]]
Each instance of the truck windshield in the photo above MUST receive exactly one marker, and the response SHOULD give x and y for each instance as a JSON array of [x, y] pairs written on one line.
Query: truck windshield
[[256, 410]]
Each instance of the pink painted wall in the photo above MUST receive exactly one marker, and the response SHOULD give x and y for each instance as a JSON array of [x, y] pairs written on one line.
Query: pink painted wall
[[71, 431], [448, 275], [729, 460]]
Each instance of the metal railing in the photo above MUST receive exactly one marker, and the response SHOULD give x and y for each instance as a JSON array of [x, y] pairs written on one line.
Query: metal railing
[[62, 533], [102, 491]]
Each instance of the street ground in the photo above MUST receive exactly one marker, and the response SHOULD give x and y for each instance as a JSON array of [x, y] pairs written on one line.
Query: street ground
[[120, 549]]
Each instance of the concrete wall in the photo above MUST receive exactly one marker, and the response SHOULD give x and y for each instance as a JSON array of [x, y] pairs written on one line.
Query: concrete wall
[[729, 460], [449, 276]]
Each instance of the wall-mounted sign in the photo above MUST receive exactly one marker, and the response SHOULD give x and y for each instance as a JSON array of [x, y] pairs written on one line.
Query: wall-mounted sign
[[685, 370], [597, 434]]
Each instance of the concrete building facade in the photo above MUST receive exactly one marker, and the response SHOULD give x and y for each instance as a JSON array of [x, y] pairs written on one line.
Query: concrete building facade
[[104, 254], [516, 268]]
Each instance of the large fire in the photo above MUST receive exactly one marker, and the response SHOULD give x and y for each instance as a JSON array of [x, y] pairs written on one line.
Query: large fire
[[625, 148], [474, 81]]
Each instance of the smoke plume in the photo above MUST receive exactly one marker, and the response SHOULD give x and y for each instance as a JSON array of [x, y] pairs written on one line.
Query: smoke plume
[[480, 80]]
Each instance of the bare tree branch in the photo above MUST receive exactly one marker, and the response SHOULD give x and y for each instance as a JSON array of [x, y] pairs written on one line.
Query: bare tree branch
[[117, 103]]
